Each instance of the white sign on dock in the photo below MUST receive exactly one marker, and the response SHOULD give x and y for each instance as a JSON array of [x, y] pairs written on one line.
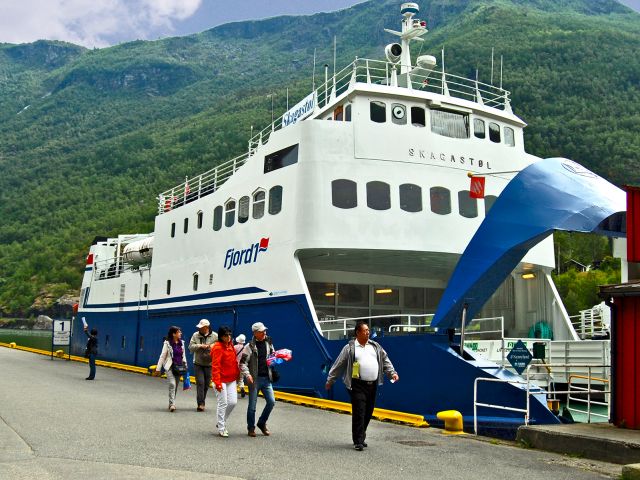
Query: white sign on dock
[[61, 332]]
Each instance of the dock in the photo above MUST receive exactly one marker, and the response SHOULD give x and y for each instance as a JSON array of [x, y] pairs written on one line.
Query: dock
[[56, 425]]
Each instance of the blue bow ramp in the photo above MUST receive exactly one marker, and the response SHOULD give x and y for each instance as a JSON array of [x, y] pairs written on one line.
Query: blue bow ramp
[[552, 194]]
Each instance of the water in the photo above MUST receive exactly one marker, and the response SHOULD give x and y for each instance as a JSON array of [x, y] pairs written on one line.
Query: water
[[40, 339]]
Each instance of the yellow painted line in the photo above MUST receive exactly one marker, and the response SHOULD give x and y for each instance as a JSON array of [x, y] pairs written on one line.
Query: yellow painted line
[[379, 413]]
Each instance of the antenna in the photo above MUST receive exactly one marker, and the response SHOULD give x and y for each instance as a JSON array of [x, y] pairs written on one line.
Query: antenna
[[335, 47], [491, 66], [326, 83], [500, 72], [313, 78]]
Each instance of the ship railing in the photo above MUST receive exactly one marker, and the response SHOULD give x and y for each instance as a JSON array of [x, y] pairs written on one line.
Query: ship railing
[[394, 324], [551, 394], [577, 391], [199, 186], [590, 324], [380, 72], [113, 268]]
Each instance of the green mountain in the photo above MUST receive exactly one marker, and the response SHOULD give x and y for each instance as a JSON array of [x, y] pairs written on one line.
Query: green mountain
[[88, 138]]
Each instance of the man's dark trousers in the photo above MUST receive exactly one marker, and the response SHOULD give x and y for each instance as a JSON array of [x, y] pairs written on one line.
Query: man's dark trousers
[[203, 379], [363, 398]]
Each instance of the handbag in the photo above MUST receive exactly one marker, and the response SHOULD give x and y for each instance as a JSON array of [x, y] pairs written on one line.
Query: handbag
[[275, 375], [178, 370]]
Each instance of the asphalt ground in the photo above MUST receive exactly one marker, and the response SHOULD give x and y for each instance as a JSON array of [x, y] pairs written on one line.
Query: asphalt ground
[[56, 425]]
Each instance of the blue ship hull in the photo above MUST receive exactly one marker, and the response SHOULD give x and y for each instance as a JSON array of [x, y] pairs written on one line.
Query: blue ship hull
[[433, 376]]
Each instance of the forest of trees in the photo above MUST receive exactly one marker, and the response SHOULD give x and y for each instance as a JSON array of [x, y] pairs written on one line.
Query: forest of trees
[[88, 138]]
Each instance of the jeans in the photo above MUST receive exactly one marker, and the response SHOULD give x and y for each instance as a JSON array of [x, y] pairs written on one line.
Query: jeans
[[227, 399], [363, 399], [264, 385], [92, 366], [172, 381], [203, 378]]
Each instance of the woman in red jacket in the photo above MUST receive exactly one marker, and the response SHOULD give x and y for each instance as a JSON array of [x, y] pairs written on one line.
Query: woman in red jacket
[[224, 374]]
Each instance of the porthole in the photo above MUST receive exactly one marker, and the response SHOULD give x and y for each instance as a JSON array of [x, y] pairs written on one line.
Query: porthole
[[399, 114]]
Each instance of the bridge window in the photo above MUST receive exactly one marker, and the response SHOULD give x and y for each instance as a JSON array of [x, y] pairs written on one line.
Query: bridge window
[[243, 209], [414, 297], [275, 200], [386, 296], [450, 124], [509, 137], [196, 277], [186, 225], [353, 295], [200, 217], [230, 213], [338, 113], [344, 193], [173, 229], [347, 113], [410, 197], [378, 112], [258, 204], [168, 287], [281, 158], [494, 132], [418, 117], [440, 199], [398, 114], [467, 206], [478, 128], [489, 200], [378, 196], [217, 218]]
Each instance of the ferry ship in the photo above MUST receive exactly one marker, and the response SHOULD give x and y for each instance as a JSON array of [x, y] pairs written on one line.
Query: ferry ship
[[355, 203]]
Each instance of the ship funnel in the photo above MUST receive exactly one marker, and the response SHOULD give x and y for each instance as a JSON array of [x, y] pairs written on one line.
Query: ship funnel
[[393, 52]]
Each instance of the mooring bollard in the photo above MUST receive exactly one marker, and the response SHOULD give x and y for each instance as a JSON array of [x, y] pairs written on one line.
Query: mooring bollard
[[452, 422]]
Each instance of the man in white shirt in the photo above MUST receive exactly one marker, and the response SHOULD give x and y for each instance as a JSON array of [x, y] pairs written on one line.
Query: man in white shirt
[[362, 363]]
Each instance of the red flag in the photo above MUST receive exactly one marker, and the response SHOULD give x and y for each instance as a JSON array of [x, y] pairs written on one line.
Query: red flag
[[476, 190]]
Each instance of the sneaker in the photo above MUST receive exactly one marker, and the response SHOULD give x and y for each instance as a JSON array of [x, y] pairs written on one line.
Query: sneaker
[[359, 447], [224, 433], [172, 408], [264, 429]]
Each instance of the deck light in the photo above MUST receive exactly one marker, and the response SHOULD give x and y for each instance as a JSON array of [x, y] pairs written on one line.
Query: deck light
[[384, 290], [330, 294], [528, 276]]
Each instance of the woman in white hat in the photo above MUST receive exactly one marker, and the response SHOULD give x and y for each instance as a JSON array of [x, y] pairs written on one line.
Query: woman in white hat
[[239, 346]]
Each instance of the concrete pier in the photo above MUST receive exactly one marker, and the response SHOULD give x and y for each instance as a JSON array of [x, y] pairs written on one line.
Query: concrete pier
[[56, 425]]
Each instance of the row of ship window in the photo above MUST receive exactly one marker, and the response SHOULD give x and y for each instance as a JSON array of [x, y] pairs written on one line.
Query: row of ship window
[[255, 204], [443, 122], [344, 194]]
